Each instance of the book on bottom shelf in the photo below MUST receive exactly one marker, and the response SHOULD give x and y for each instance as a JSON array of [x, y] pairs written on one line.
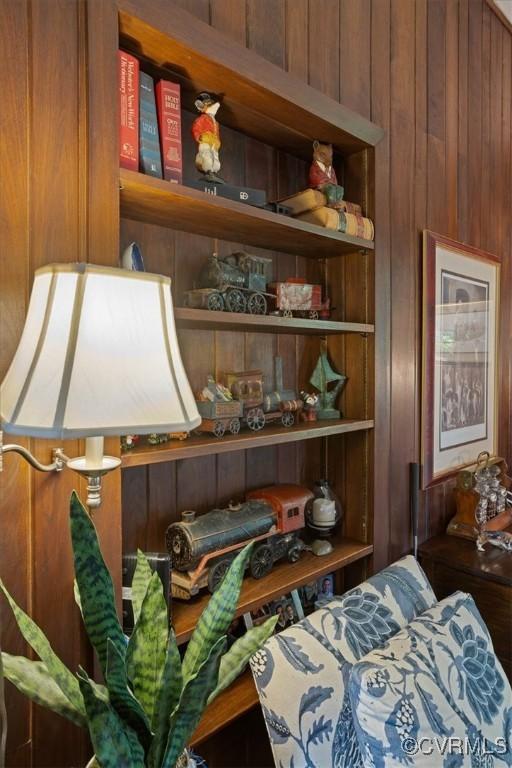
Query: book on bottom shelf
[[128, 111], [168, 100], [149, 141]]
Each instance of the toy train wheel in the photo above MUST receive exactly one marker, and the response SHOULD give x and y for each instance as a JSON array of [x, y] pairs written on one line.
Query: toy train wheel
[[257, 304], [293, 554], [217, 573], [287, 313], [234, 426], [219, 429], [313, 314], [261, 561], [235, 301], [215, 302], [287, 419], [255, 419]]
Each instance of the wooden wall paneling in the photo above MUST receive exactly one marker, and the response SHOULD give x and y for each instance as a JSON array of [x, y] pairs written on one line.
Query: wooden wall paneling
[[381, 113], [404, 355], [55, 220], [485, 181], [437, 210], [451, 120], [463, 189], [495, 226], [355, 55], [16, 506], [475, 121]]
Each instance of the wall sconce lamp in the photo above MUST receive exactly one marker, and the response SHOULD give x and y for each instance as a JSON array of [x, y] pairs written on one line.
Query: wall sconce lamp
[[98, 357]]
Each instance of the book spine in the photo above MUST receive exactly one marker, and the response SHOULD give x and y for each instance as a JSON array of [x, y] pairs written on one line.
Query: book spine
[[359, 226], [149, 143], [129, 111], [168, 101]]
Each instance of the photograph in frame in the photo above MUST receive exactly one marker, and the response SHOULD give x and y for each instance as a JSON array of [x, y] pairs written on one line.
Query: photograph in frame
[[460, 331]]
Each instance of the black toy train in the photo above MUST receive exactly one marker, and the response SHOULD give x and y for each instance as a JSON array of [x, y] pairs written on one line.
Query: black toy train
[[202, 547]]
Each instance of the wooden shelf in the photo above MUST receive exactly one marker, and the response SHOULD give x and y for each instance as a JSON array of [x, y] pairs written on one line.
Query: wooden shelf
[[230, 321], [258, 98], [155, 201], [239, 698], [283, 578], [206, 445]]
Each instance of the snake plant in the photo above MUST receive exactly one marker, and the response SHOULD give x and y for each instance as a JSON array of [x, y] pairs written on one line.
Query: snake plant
[[144, 714]]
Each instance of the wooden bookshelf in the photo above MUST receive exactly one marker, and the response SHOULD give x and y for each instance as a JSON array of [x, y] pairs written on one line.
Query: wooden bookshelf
[[276, 117], [208, 445], [208, 320], [283, 578], [155, 201], [232, 703]]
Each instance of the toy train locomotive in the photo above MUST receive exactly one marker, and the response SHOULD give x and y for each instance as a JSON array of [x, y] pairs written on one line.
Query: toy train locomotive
[[238, 283], [203, 547], [243, 401]]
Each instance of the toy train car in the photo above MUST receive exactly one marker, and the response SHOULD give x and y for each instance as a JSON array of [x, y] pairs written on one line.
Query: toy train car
[[203, 547], [238, 283], [297, 298], [248, 405]]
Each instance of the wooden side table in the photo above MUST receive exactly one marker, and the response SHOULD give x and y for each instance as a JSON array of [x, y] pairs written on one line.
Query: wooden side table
[[452, 563]]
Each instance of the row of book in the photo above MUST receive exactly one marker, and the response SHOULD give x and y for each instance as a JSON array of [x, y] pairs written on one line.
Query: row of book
[[150, 122], [311, 205]]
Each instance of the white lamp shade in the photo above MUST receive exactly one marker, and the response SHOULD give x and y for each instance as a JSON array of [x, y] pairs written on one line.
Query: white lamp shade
[[98, 356]]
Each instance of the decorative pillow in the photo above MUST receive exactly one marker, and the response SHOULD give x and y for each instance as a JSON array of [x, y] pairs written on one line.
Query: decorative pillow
[[434, 695], [302, 673]]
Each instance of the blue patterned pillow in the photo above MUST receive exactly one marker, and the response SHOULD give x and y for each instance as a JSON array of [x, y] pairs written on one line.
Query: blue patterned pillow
[[434, 695], [302, 673]]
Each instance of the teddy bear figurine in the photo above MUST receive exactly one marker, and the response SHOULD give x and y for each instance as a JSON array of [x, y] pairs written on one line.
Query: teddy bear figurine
[[206, 133], [322, 175]]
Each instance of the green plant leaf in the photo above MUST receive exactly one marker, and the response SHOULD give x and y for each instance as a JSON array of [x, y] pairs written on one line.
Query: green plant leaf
[[121, 697], [140, 582], [145, 657], [33, 680], [236, 659], [168, 698], [38, 641], [94, 585], [217, 616], [115, 744], [187, 715]]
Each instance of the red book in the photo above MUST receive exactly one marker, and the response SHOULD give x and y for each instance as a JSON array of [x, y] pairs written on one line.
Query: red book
[[129, 111], [168, 101]]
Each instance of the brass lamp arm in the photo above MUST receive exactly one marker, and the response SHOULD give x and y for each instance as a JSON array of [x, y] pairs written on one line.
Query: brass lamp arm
[[59, 458]]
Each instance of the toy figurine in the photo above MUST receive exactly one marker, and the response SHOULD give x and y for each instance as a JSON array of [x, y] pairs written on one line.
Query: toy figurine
[[322, 175], [310, 411], [205, 130], [322, 376]]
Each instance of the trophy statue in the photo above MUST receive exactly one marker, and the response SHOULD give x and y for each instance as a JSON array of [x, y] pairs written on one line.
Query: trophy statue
[[322, 377]]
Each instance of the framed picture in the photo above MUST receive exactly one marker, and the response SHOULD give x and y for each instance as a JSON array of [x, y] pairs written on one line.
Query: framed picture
[[460, 371], [288, 609]]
